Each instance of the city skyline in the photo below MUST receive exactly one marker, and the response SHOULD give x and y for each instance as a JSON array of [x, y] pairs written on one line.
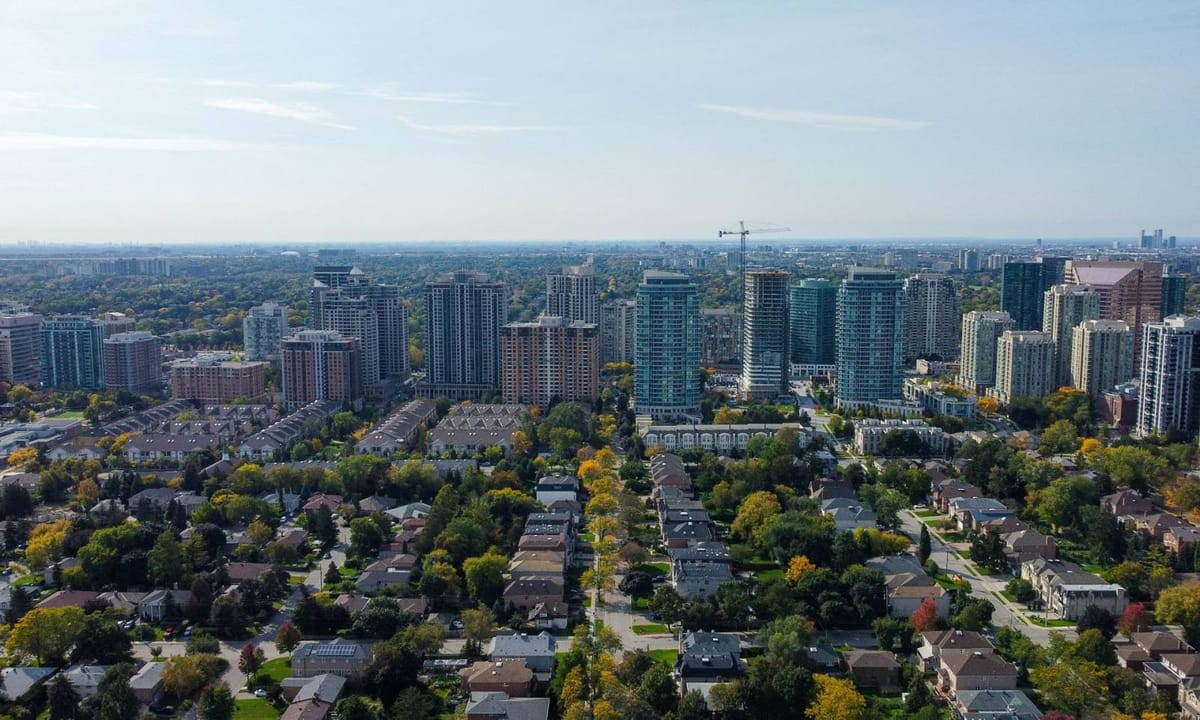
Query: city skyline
[[270, 124]]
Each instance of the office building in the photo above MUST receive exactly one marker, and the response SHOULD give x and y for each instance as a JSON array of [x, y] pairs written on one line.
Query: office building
[[217, 379], [870, 338], [72, 353], [1152, 242], [618, 331], [1024, 365], [931, 318], [666, 369], [764, 335], [981, 330], [133, 362], [721, 338], [1170, 375], [263, 330], [1129, 291], [464, 313], [552, 359], [20, 345], [1101, 355], [320, 365], [1174, 295], [572, 293], [812, 322], [1064, 307], [1054, 270], [1021, 293]]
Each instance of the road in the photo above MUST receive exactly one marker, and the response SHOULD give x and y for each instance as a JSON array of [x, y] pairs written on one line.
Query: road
[[1006, 614]]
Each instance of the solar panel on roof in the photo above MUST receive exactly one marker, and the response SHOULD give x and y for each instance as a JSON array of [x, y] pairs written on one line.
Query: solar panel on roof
[[334, 650]]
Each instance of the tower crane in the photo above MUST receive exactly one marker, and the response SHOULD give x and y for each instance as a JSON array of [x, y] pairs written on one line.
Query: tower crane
[[742, 232]]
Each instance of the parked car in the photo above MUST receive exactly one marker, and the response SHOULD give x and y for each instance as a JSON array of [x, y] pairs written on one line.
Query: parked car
[[260, 693]]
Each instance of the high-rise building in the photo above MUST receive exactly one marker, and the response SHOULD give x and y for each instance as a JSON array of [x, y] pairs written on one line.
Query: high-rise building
[[931, 317], [332, 277], [352, 315], [721, 337], [216, 378], [391, 312], [20, 345], [1174, 294], [1024, 365], [1101, 355], [968, 260], [572, 293], [320, 365], [1054, 270], [1129, 291], [263, 330], [133, 362], [1170, 375], [1153, 242], [1021, 293], [765, 335], [1064, 307], [812, 322], [618, 331], [345, 300], [549, 360], [870, 338], [72, 352], [981, 329], [116, 322], [666, 369], [464, 312]]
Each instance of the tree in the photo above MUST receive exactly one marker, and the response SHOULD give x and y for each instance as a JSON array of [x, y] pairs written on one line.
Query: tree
[[393, 668], [166, 563], [365, 536], [1059, 438], [637, 585], [217, 703], [62, 698], [115, 698], [357, 707], [227, 618], [250, 660], [925, 545], [798, 567], [1179, 604], [658, 689], [1022, 590], [332, 576], [1092, 646], [1097, 618], [692, 707], [478, 624], [288, 637], [1135, 619], [836, 699], [755, 511], [46, 634], [185, 675], [925, 617], [102, 642], [485, 576], [668, 604], [1073, 687]]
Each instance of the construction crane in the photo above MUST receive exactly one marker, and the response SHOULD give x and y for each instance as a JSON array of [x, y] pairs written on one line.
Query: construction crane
[[742, 232]]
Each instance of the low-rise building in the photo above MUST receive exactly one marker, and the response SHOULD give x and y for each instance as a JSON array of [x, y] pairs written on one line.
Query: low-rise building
[[512, 677], [525, 593], [340, 656], [499, 706], [537, 651], [874, 670], [147, 684], [994, 705], [975, 670], [869, 434], [1067, 590]]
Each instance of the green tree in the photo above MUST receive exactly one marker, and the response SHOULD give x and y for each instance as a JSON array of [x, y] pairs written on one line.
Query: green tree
[[62, 698], [1022, 590], [116, 698], [925, 545], [357, 707], [485, 576], [1059, 438], [166, 562], [102, 642], [1179, 604], [217, 703], [1071, 687], [365, 537], [668, 604]]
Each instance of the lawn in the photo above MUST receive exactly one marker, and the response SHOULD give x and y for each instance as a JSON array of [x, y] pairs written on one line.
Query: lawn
[[69, 415], [641, 603], [254, 709], [768, 574], [653, 569], [666, 657], [276, 669], [27, 580], [296, 579], [650, 629], [1053, 622], [926, 513]]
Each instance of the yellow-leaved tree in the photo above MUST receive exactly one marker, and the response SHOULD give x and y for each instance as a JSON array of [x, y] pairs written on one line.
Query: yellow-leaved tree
[[836, 700]]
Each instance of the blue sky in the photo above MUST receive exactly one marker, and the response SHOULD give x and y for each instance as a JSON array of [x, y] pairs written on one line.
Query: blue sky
[[268, 121]]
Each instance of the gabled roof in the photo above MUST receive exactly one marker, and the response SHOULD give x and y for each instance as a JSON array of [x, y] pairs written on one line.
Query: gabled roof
[[522, 645], [975, 662], [862, 659]]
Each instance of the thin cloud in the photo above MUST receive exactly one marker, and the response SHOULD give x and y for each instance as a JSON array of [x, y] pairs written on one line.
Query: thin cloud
[[37, 102], [442, 98], [472, 129], [32, 141], [289, 111], [829, 121], [309, 86], [217, 83]]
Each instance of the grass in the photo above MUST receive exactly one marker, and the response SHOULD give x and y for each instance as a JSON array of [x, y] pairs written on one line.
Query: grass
[[1053, 622], [27, 580], [254, 709], [276, 669], [768, 574], [654, 569], [926, 513], [666, 657], [296, 579], [650, 629], [70, 415], [641, 603]]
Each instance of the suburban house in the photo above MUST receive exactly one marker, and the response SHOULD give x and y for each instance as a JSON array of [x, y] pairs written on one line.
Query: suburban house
[[1181, 540], [906, 592], [409, 511], [700, 567], [875, 670], [549, 616], [499, 706], [147, 684], [706, 656], [16, 682], [85, 679], [1025, 545], [995, 705], [162, 605], [975, 670], [536, 650], [376, 503], [1067, 590], [373, 581], [935, 641], [1169, 672], [557, 487], [972, 513], [319, 500], [1126, 502], [525, 593], [512, 677], [949, 490], [847, 518], [338, 656]]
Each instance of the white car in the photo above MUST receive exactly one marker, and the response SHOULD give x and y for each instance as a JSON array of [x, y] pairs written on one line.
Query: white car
[[260, 693]]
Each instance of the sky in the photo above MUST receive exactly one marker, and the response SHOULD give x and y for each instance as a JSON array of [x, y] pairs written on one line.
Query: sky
[[128, 121]]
